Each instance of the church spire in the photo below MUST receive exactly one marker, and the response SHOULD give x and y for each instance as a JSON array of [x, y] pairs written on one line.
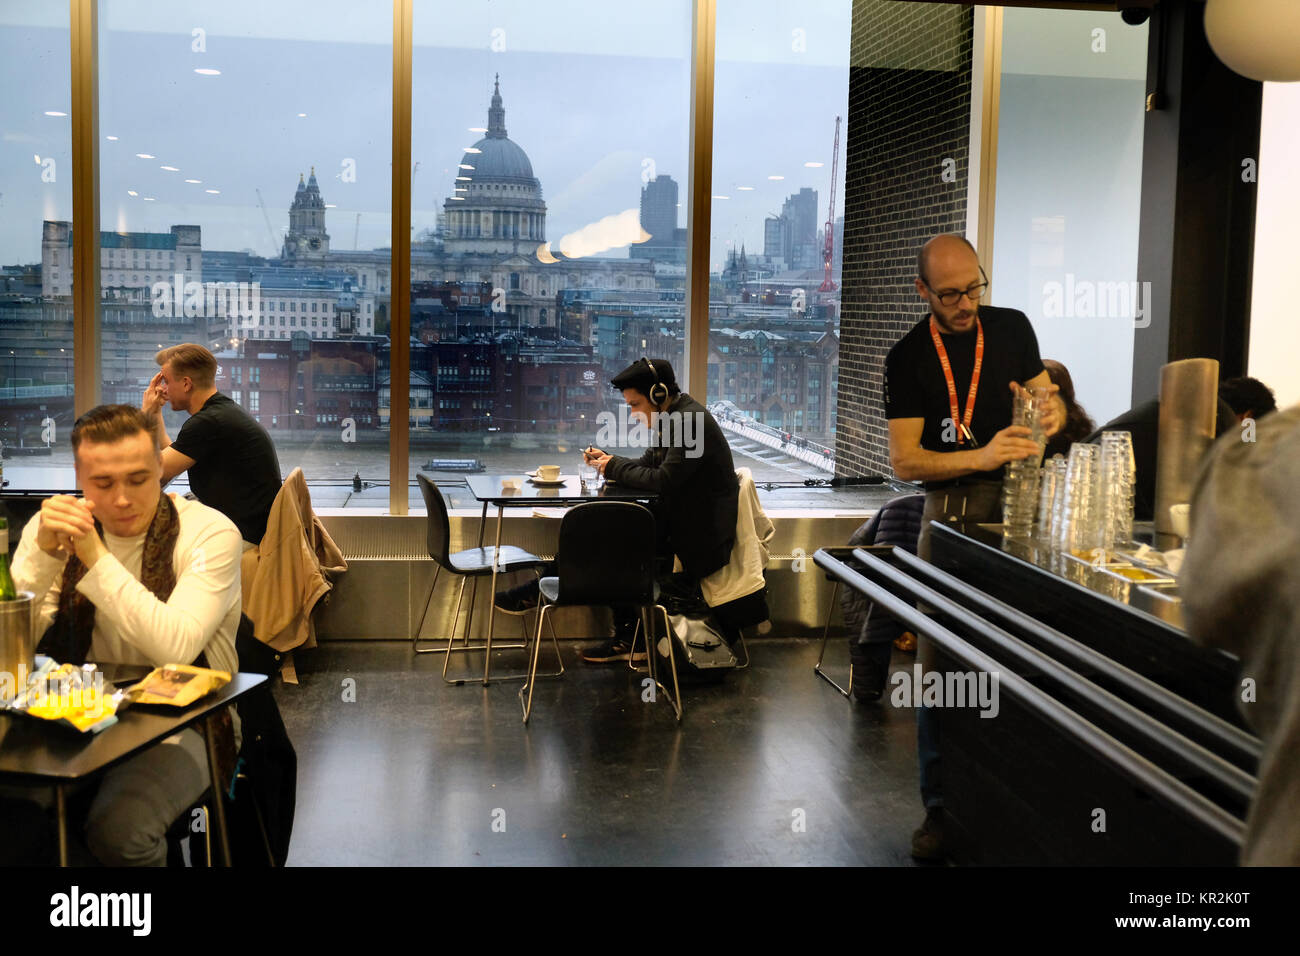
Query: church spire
[[496, 112]]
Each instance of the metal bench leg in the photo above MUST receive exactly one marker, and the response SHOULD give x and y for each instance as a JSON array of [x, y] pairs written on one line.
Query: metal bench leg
[[826, 632]]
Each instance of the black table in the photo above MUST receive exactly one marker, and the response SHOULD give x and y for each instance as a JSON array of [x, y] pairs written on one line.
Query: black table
[[33, 752], [488, 489]]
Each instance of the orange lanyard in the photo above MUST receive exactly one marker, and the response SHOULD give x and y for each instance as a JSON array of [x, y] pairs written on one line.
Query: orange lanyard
[[952, 386]]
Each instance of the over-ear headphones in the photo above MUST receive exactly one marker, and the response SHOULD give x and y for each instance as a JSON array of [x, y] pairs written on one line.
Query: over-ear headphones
[[658, 391]]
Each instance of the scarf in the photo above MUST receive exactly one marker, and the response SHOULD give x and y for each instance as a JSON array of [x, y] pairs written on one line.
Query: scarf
[[69, 637]]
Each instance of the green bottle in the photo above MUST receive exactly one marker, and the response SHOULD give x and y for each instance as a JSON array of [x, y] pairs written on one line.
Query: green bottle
[[7, 590]]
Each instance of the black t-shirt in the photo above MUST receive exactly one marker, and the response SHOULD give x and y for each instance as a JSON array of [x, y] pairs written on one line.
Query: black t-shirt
[[235, 469], [915, 387]]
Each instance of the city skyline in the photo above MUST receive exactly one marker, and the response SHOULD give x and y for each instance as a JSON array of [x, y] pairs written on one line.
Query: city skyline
[[603, 177]]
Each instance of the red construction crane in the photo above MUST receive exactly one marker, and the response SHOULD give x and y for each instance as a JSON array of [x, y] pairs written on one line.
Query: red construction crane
[[828, 247]]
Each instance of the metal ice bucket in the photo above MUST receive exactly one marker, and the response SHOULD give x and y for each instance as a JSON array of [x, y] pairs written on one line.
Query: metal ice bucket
[[17, 645]]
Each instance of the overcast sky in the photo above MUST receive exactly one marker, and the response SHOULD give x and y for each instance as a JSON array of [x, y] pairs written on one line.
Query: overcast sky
[[594, 93]]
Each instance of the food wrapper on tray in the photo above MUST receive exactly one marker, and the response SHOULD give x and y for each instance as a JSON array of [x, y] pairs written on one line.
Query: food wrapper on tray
[[70, 696], [80, 698], [177, 685]]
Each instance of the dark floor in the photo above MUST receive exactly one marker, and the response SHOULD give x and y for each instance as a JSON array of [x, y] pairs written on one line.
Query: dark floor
[[417, 772]]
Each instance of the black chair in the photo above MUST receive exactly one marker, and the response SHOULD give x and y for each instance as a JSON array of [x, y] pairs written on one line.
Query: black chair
[[470, 563], [606, 556], [260, 802]]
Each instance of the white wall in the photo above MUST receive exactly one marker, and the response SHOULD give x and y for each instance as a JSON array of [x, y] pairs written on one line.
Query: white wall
[[1275, 304], [1069, 192]]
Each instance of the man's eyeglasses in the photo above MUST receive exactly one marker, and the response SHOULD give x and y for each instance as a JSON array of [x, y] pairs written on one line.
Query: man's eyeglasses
[[974, 293]]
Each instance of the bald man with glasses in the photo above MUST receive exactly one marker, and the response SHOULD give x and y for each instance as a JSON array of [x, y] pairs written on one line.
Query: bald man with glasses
[[948, 388], [949, 384]]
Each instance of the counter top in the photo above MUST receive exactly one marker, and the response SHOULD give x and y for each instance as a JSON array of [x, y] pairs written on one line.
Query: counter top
[[1130, 577]]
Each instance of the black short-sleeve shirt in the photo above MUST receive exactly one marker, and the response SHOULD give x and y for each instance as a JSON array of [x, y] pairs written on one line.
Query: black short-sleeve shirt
[[914, 385], [235, 468]]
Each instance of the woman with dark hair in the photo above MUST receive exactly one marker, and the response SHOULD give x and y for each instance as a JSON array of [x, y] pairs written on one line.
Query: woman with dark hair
[[1066, 421]]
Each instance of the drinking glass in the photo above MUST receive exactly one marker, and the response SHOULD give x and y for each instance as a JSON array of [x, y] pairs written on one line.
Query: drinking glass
[[1116, 485], [1051, 489], [1020, 483], [1077, 525]]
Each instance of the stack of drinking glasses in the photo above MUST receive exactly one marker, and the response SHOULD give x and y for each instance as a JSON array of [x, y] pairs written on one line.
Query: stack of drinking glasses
[[1020, 486], [1116, 488], [1051, 488], [1076, 526]]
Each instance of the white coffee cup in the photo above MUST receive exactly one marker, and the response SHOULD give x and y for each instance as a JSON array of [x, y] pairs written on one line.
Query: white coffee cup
[[548, 472]]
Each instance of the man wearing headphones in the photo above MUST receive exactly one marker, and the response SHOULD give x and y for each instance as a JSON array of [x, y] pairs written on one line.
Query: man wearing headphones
[[688, 465]]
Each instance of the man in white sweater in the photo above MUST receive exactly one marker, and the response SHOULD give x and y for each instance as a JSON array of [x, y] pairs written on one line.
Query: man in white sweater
[[160, 586]]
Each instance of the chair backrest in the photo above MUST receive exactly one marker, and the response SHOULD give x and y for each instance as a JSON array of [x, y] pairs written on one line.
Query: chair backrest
[[606, 554], [438, 527]]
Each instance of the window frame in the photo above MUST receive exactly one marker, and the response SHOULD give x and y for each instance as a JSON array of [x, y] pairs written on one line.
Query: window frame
[[87, 307]]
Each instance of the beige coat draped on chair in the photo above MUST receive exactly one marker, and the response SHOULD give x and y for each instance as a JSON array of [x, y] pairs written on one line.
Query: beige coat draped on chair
[[743, 574], [285, 575]]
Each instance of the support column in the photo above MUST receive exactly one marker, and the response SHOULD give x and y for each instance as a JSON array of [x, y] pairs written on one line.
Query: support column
[[1196, 238]]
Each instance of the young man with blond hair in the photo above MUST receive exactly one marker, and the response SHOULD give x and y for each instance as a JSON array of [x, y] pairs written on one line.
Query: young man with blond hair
[[229, 457]]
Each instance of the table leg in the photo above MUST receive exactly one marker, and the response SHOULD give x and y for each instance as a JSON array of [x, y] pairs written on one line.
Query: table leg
[[482, 524], [218, 798], [61, 810], [492, 594]]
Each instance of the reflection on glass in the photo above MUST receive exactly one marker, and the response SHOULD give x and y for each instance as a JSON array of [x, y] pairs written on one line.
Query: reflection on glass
[[36, 367], [778, 233], [549, 239], [245, 188]]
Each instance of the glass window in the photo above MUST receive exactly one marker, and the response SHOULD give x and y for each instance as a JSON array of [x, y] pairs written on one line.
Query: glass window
[[205, 206], [774, 270], [534, 192], [36, 360]]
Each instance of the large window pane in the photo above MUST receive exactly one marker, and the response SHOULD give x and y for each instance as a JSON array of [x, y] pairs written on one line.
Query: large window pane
[[246, 188], [549, 197], [1069, 180], [36, 374], [781, 85]]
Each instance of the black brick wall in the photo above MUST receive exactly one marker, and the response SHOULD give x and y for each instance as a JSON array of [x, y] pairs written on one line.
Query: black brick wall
[[909, 110]]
